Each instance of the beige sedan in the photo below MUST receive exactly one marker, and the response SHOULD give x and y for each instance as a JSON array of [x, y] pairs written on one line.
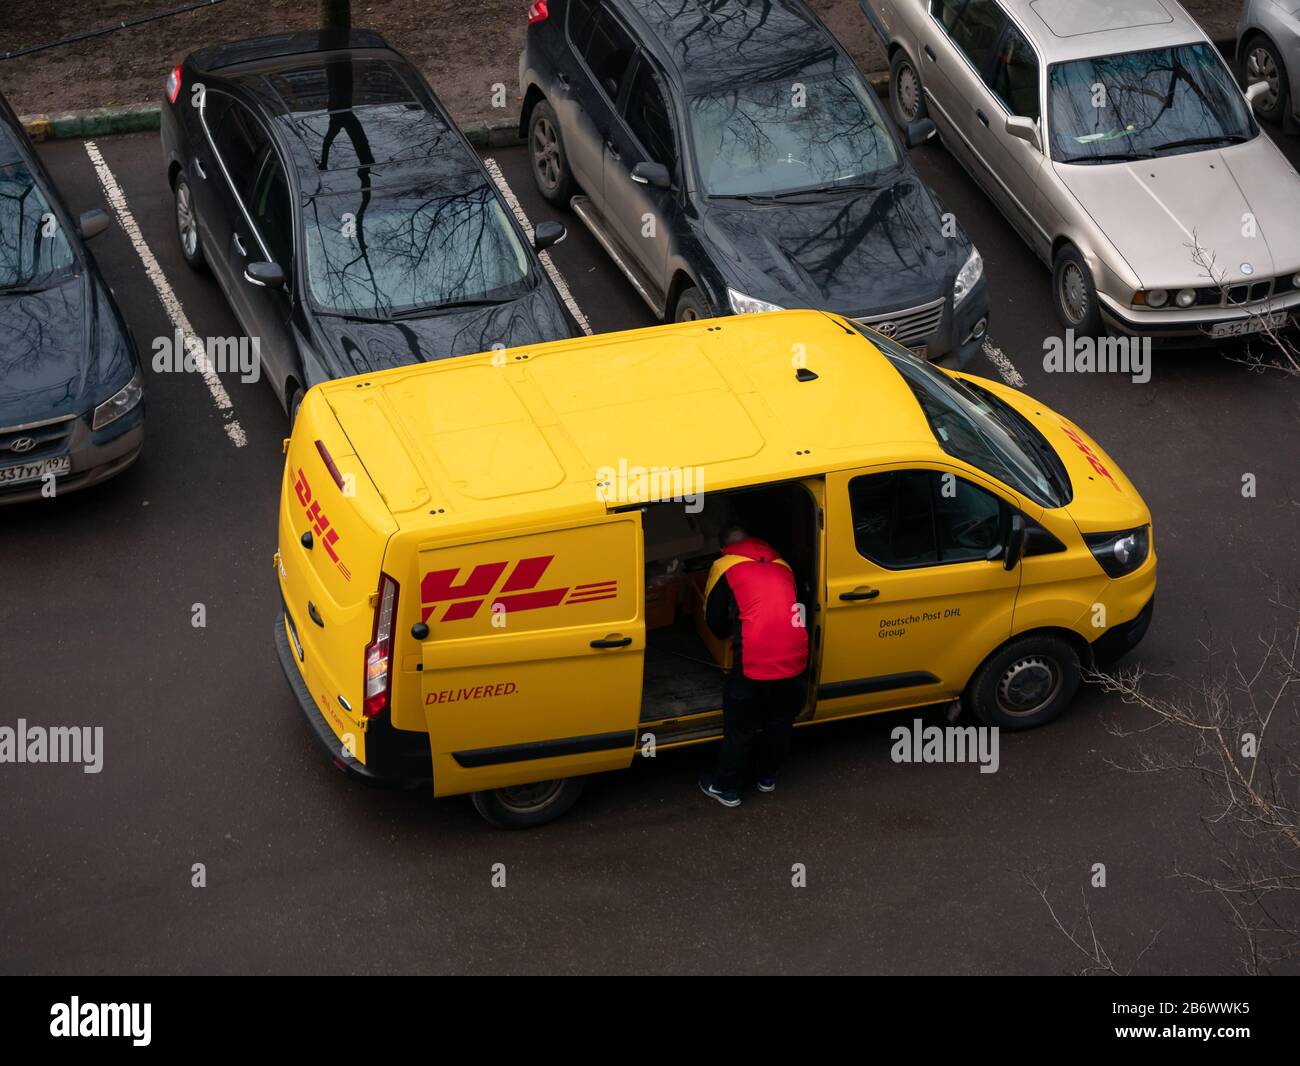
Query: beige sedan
[[1116, 141]]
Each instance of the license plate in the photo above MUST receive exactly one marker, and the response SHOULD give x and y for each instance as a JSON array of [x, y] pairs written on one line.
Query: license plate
[[1246, 326], [921, 351], [37, 471]]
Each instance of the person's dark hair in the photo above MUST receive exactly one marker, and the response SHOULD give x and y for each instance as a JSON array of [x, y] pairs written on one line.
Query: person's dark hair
[[733, 534]]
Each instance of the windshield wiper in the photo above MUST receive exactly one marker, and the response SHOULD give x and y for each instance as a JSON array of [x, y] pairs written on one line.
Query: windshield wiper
[[450, 305], [1192, 142], [790, 194], [1106, 157]]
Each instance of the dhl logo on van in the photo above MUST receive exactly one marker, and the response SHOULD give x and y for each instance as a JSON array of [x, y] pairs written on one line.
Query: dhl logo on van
[[327, 535], [519, 591], [1090, 455]]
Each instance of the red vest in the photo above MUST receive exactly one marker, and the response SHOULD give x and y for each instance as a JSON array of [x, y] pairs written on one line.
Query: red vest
[[774, 639]]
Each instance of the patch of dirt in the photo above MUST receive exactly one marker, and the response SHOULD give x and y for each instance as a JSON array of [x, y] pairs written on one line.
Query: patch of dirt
[[463, 49]]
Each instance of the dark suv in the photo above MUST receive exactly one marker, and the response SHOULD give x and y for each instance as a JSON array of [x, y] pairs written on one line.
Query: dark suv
[[348, 220], [730, 157]]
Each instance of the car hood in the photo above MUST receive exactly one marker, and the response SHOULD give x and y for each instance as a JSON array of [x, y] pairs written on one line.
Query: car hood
[[1154, 210], [857, 255], [62, 351], [360, 347]]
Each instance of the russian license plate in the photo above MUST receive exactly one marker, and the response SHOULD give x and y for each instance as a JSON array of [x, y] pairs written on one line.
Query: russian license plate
[[35, 471], [921, 351], [1246, 326]]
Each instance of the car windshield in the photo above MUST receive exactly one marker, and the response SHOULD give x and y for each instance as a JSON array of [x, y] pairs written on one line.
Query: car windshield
[[412, 252], [33, 247], [803, 132], [968, 427], [1144, 104]]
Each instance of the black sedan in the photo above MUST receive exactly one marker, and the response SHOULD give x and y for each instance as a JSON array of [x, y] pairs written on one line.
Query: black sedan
[[71, 390], [730, 157], [345, 216]]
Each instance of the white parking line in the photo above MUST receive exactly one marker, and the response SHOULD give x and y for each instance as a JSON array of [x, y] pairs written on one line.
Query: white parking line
[[170, 303], [560, 284], [1004, 365]]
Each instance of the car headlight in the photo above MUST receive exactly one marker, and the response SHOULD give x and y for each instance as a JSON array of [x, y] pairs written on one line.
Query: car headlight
[[748, 305], [122, 401], [1156, 297], [1120, 553], [968, 277], [1186, 298]]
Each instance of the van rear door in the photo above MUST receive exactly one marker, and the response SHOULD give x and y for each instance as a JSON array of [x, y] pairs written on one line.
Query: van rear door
[[333, 529], [532, 665]]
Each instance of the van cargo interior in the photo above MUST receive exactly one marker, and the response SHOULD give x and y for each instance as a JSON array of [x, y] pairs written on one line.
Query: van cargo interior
[[684, 662]]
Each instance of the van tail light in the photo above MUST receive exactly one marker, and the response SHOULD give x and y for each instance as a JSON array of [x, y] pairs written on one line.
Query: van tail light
[[379, 652], [537, 12], [173, 85]]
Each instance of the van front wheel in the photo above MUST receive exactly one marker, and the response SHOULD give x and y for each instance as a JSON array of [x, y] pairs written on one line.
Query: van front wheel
[[1026, 684], [524, 806]]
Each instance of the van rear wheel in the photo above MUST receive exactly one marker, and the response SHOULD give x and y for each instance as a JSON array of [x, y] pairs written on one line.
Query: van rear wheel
[[525, 806], [1024, 685]]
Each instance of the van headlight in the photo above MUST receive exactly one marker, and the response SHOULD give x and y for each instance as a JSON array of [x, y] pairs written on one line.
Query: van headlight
[[968, 277], [1120, 553], [120, 403], [748, 305]]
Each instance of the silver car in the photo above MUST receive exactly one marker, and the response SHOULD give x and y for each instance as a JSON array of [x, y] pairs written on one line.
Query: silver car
[[1116, 141], [1268, 47]]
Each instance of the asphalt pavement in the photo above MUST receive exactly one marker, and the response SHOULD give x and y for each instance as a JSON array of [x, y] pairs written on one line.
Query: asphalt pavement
[[909, 869]]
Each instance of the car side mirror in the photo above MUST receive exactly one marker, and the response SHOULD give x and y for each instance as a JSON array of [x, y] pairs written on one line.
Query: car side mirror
[[264, 275], [1024, 129], [919, 132], [1255, 90], [92, 223], [653, 174], [1015, 542], [547, 234]]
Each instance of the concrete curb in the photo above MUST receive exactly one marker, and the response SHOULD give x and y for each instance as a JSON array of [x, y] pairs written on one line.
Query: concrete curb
[[106, 121]]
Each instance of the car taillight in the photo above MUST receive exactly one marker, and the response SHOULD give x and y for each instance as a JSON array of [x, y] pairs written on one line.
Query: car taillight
[[173, 85], [537, 12], [379, 652]]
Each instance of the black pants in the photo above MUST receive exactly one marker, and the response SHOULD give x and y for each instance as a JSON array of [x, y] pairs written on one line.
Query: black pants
[[757, 717]]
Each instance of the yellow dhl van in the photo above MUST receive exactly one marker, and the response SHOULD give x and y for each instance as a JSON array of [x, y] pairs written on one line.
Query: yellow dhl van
[[491, 566]]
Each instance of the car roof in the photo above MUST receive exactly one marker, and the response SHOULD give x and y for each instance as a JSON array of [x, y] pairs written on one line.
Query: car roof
[[347, 116], [474, 440], [1071, 29], [710, 43]]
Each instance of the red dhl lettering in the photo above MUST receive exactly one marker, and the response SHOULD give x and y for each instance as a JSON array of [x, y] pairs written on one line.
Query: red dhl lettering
[[519, 591], [327, 536], [480, 692], [1090, 455]]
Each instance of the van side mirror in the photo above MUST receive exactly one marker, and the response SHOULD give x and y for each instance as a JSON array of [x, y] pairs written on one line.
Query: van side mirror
[[653, 174], [1255, 90], [548, 233], [1024, 129], [264, 275], [1015, 542], [92, 223], [919, 132]]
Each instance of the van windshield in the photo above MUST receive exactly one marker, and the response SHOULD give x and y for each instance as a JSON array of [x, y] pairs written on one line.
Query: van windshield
[[968, 426]]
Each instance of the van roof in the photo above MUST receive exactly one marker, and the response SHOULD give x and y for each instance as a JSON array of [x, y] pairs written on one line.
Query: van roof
[[502, 438]]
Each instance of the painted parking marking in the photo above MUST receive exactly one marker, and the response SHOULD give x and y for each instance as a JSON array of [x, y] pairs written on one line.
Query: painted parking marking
[[171, 305], [1003, 364], [561, 285]]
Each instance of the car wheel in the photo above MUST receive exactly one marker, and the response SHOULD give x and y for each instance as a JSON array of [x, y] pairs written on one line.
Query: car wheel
[[1074, 293], [1024, 685], [295, 401], [906, 98], [691, 306], [1264, 63], [187, 225], [546, 153], [525, 806]]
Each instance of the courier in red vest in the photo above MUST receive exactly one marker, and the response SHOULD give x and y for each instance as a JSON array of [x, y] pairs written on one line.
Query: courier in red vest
[[752, 597]]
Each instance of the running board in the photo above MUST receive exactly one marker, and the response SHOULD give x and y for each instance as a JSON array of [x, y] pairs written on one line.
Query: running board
[[581, 206]]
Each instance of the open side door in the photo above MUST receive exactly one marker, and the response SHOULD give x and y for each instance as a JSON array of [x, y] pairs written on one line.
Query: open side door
[[532, 666]]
